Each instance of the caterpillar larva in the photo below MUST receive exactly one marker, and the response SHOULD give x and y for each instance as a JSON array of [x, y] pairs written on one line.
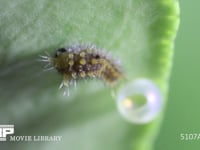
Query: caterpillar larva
[[79, 62]]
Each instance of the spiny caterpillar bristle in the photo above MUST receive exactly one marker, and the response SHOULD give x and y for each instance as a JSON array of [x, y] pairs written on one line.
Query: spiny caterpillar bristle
[[80, 62]]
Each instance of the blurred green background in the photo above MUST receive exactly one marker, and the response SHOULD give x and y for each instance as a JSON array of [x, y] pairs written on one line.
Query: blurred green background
[[182, 110]]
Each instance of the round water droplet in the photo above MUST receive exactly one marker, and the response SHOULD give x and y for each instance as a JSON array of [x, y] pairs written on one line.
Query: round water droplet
[[139, 101]]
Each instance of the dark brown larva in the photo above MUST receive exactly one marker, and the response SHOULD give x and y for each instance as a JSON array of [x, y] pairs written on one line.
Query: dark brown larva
[[80, 62]]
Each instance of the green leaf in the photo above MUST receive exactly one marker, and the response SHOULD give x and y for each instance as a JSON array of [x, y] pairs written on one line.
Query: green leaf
[[140, 33]]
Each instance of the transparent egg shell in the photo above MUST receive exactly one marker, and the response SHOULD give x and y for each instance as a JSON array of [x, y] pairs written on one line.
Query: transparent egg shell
[[139, 101]]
